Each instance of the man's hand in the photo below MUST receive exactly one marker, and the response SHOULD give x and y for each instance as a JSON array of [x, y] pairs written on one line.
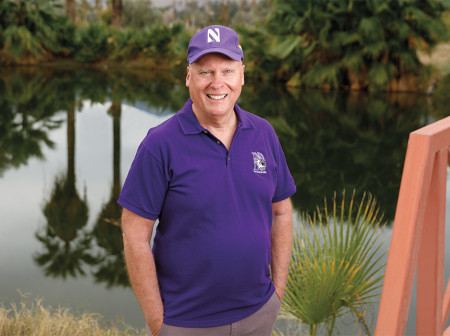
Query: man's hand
[[155, 326]]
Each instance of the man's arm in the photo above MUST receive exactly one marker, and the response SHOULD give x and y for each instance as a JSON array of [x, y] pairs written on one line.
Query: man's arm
[[281, 244], [137, 233]]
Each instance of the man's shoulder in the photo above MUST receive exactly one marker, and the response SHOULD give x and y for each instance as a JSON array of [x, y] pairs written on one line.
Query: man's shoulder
[[259, 123], [161, 133]]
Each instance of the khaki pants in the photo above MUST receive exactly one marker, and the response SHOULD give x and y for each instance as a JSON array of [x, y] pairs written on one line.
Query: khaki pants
[[260, 323]]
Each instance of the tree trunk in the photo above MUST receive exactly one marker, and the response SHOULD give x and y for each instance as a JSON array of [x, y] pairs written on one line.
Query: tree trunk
[[225, 14], [192, 14], [70, 10], [186, 13], [174, 11], [98, 9], [117, 13]]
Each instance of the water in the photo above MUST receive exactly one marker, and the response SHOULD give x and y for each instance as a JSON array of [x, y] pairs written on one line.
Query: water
[[80, 130]]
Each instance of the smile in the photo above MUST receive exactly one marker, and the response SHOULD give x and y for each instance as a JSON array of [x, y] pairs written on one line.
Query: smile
[[216, 97]]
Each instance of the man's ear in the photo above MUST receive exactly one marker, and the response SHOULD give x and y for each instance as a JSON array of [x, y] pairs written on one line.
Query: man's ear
[[243, 68], [188, 76]]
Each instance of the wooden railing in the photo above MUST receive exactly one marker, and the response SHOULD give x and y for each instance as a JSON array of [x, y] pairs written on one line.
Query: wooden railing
[[418, 238]]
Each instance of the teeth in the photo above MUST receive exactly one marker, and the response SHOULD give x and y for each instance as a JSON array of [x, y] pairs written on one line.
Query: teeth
[[216, 97]]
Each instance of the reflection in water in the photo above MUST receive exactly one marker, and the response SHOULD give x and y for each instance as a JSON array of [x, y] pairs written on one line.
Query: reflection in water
[[332, 141], [341, 140], [27, 114], [67, 245], [107, 230]]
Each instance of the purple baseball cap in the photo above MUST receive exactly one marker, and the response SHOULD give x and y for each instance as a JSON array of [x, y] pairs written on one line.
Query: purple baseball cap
[[215, 39]]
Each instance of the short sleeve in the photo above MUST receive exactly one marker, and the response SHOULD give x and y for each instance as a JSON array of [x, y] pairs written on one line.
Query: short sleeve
[[146, 185], [285, 186]]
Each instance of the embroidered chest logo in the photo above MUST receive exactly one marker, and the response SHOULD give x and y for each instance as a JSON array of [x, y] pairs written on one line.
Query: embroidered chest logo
[[259, 163]]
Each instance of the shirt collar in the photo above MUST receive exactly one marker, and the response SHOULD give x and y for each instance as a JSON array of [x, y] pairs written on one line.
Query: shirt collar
[[190, 125]]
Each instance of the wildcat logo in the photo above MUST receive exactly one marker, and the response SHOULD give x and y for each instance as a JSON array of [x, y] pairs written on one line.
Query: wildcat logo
[[259, 163], [213, 35]]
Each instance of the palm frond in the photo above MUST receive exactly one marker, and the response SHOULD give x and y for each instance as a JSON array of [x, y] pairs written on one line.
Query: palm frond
[[282, 48], [378, 75], [336, 263]]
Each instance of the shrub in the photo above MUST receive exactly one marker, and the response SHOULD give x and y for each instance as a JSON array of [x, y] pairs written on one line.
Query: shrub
[[32, 30], [92, 43], [335, 264], [356, 44]]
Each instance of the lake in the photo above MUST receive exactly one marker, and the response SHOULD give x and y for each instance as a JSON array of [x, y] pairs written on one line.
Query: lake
[[67, 139]]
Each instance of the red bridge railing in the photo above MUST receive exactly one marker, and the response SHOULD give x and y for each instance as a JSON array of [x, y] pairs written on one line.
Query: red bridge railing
[[418, 238]]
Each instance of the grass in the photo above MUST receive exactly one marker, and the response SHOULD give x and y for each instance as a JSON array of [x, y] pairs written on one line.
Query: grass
[[33, 319]]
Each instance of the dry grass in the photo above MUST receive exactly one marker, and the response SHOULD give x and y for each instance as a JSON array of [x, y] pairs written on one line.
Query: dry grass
[[33, 319]]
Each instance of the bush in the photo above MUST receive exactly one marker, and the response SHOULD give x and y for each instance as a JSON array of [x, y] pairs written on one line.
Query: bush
[[336, 264], [32, 31], [354, 44], [92, 43]]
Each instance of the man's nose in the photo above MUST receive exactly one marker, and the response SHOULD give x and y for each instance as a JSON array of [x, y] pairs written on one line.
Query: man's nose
[[217, 81]]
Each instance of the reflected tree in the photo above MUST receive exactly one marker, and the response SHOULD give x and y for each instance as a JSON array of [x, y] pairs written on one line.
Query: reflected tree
[[107, 231], [27, 116], [336, 141], [67, 244]]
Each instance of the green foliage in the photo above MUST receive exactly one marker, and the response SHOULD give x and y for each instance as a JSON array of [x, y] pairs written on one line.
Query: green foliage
[[92, 43], [334, 140], [28, 104], [32, 30], [336, 264], [333, 42]]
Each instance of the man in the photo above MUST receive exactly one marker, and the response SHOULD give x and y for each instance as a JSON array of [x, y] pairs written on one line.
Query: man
[[216, 178]]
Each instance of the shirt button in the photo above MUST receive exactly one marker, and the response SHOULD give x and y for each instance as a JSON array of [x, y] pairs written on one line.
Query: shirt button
[[218, 142], [229, 159], [206, 132]]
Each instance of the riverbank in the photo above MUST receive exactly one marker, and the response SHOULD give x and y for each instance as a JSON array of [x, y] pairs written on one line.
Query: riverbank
[[32, 318]]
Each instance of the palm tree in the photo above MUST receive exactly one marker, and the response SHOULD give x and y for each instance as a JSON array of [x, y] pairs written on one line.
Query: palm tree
[[359, 44], [31, 30], [98, 9], [336, 264], [225, 12], [67, 244], [107, 230], [117, 13], [28, 108], [71, 10]]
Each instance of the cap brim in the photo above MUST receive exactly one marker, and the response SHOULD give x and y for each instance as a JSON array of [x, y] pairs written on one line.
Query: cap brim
[[228, 53]]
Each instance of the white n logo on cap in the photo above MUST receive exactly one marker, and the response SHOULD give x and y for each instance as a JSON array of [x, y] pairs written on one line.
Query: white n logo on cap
[[213, 35]]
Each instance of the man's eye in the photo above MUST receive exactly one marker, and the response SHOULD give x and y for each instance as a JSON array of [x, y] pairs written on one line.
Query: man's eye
[[205, 73]]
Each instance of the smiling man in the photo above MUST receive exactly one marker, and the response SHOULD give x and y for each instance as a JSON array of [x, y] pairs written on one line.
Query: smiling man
[[216, 178]]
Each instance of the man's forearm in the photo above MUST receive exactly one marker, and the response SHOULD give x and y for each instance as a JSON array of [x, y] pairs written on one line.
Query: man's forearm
[[142, 272], [281, 245]]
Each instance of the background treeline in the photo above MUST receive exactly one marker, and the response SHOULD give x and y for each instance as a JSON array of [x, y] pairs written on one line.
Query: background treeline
[[328, 44]]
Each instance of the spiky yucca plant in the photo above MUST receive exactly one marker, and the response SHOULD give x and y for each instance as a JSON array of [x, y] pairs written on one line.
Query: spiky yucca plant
[[335, 264]]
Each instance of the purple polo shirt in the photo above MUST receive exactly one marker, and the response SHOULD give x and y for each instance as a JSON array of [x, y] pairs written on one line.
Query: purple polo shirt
[[212, 244]]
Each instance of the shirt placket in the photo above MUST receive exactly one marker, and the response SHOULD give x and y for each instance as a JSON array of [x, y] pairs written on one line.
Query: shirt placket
[[227, 152]]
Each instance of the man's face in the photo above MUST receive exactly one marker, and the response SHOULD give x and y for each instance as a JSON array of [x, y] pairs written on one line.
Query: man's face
[[215, 83]]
